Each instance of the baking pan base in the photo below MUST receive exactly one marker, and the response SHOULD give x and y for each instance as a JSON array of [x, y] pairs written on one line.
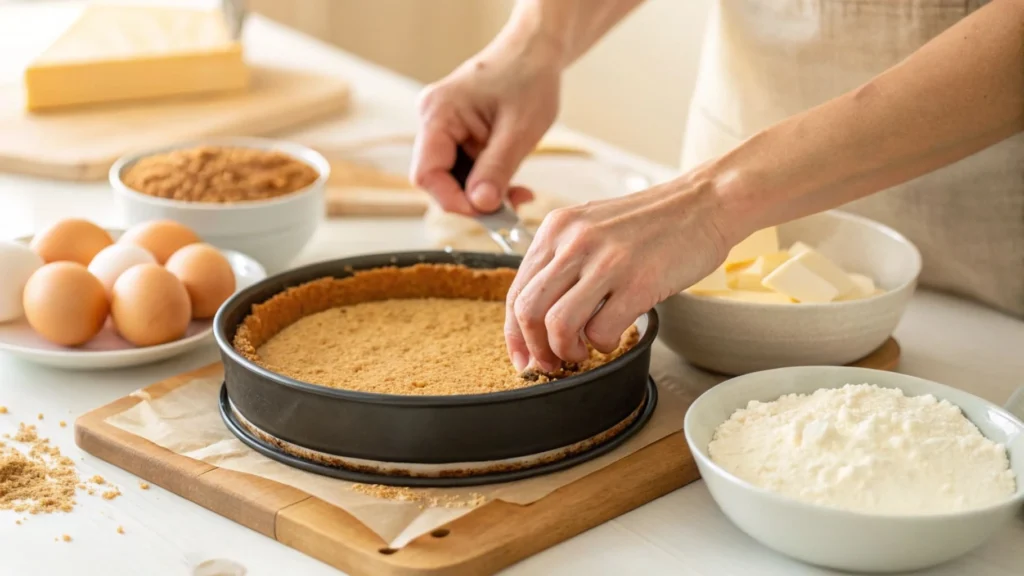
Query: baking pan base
[[245, 432]]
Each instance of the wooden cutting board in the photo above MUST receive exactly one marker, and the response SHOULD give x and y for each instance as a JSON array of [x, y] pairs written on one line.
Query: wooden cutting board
[[82, 144], [484, 541]]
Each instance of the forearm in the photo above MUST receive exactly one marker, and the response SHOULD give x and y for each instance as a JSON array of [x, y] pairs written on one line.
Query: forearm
[[566, 28], [957, 95]]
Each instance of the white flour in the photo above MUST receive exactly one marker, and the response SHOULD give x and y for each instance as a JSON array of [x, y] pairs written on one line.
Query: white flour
[[865, 448]]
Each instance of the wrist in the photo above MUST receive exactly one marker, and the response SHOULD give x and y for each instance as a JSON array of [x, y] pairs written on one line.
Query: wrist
[[727, 197], [536, 34]]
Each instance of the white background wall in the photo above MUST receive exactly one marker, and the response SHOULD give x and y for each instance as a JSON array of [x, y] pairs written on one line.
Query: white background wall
[[632, 89]]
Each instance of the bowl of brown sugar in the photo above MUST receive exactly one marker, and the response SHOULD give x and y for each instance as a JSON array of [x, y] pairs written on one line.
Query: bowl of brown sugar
[[257, 196]]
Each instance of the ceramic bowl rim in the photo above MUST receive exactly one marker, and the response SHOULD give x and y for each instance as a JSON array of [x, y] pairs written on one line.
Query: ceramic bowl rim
[[300, 152], [704, 460], [896, 292]]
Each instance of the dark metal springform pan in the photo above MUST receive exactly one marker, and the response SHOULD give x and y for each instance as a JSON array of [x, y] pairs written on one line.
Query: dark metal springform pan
[[427, 429]]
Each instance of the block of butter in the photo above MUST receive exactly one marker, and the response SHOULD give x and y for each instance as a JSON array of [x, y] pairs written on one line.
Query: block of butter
[[132, 52]]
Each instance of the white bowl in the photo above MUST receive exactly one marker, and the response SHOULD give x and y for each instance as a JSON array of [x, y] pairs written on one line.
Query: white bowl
[[107, 349], [837, 538], [733, 337], [272, 231]]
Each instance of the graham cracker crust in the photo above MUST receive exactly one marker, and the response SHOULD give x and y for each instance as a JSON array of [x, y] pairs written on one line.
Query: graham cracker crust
[[428, 329]]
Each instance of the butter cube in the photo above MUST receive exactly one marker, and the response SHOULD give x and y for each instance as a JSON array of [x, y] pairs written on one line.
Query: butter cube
[[714, 282], [795, 279], [749, 278], [828, 270], [755, 297], [798, 248], [865, 288], [765, 241]]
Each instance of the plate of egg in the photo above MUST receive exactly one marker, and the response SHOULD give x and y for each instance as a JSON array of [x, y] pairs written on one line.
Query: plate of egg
[[79, 296]]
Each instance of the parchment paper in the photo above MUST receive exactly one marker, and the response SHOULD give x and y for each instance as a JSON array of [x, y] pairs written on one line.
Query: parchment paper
[[186, 421]]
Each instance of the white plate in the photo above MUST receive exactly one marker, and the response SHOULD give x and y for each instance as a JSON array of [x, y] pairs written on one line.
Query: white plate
[[108, 350]]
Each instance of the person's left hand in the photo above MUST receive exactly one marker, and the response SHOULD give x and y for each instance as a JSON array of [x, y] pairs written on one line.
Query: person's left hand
[[631, 252]]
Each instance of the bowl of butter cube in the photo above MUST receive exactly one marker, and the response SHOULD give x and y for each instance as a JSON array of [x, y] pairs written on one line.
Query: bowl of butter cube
[[824, 290]]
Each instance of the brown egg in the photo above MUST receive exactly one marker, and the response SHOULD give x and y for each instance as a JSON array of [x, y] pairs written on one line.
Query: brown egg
[[150, 305], [65, 304], [161, 237], [206, 274], [73, 240]]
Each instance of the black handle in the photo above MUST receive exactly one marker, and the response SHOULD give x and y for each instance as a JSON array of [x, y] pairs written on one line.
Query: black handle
[[463, 166]]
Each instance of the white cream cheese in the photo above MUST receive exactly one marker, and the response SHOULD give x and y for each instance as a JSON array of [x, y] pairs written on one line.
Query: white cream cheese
[[867, 449]]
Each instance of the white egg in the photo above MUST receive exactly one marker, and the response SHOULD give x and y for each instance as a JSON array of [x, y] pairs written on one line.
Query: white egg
[[17, 263], [113, 260]]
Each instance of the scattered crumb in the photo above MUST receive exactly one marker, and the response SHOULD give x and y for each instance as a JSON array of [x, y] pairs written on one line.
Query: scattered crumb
[[39, 481], [40, 417], [66, 538], [18, 522], [111, 494], [97, 479], [144, 485], [81, 486], [63, 424], [120, 530], [422, 498], [3, 409], [91, 492]]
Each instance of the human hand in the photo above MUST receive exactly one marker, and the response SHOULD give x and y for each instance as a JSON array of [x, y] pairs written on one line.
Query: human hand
[[629, 253], [497, 105]]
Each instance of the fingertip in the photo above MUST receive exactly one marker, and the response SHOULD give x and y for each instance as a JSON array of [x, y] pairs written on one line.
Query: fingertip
[[445, 190], [518, 195], [485, 197]]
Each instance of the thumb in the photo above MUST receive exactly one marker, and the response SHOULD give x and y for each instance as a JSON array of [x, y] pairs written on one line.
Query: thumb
[[497, 163]]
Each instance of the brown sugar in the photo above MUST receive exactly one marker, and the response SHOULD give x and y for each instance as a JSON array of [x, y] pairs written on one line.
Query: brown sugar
[[40, 481], [430, 330], [219, 175]]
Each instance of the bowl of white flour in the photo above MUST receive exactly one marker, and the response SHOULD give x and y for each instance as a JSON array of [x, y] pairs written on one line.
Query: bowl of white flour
[[858, 469]]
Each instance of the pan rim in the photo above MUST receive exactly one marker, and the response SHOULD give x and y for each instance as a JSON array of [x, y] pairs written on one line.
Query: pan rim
[[220, 331]]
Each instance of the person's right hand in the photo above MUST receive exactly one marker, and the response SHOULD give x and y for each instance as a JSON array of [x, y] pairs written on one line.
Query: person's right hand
[[497, 105]]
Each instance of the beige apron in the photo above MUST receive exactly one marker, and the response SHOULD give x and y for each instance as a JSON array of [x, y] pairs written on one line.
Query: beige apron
[[765, 60]]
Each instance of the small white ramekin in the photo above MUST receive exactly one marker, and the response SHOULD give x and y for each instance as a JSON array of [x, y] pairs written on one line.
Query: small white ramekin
[[273, 231]]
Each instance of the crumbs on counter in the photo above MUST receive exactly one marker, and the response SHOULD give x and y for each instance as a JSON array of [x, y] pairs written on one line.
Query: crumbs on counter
[[111, 494], [41, 480], [3, 409], [144, 485], [66, 538], [97, 479], [120, 530], [63, 424], [40, 417]]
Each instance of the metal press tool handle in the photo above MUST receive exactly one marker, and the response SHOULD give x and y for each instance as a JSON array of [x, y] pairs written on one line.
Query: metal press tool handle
[[234, 16], [503, 225]]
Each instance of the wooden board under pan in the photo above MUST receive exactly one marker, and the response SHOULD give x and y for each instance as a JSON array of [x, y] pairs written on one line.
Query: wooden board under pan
[[484, 541]]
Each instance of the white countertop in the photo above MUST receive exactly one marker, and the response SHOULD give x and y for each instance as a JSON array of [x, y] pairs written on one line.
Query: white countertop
[[943, 339]]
